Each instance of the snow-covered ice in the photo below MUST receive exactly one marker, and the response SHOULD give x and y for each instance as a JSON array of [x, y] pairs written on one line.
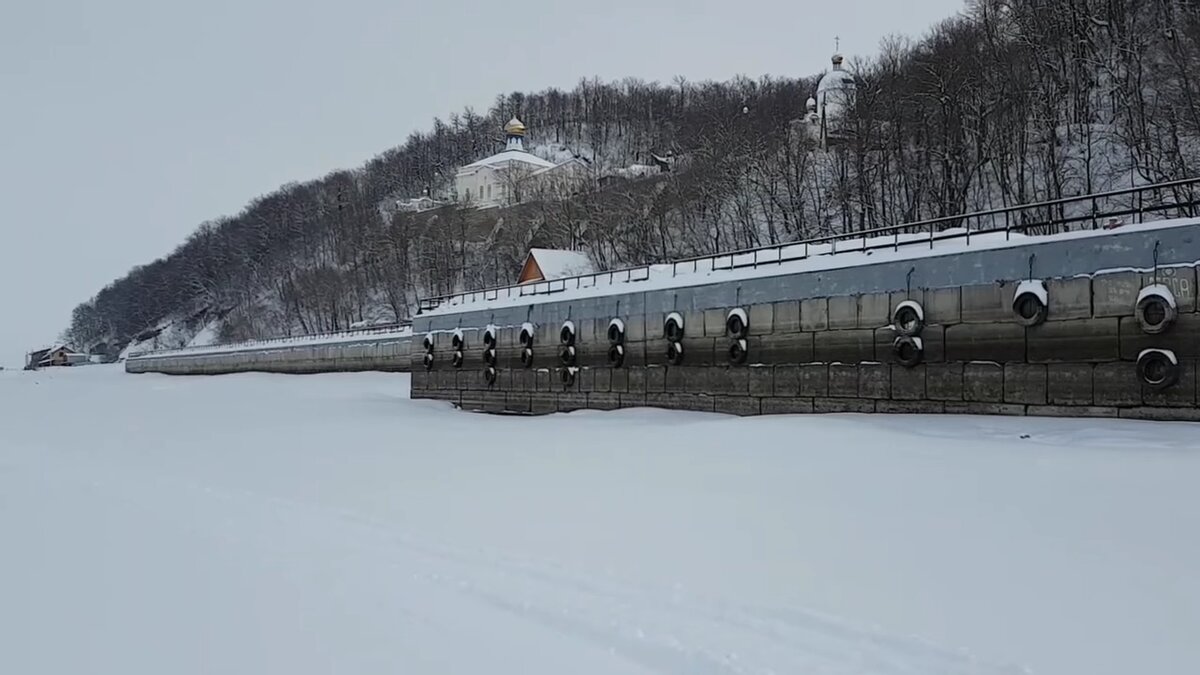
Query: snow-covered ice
[[279, 524]]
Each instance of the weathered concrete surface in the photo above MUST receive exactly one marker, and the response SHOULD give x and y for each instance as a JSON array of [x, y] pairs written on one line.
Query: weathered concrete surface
[[822, 342]]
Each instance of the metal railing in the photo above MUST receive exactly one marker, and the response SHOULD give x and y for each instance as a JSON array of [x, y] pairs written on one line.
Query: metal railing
[[1179, 198]]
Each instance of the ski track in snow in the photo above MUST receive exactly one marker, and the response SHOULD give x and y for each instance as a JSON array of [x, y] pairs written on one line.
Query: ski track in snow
[[151, 548]]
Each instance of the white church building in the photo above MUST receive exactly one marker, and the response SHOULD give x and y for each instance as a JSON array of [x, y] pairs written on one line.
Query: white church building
[[513, 174], [826, 112]]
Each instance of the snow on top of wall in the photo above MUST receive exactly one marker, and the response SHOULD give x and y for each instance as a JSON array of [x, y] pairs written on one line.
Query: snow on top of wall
[[366, 335], [796, 258]]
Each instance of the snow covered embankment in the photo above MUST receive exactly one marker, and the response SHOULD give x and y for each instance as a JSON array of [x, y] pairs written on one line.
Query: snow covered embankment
[[329, 524]]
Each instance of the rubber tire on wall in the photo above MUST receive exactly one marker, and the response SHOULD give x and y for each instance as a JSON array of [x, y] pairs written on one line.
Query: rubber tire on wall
[[616, 332], [736, 324], [457, 359], [907, 351], [674, 353], [1168, 311], [616, 355], [673, 327], [901, 316], [428, 360], [738, 352], [489, 356], [567, 375], [567, 355], [1156, 358], [489, 375], [526, 338], [566, 334], [1039, 314], [527, 357]]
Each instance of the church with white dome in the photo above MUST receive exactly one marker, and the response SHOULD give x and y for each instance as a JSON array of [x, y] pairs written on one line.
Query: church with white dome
[[827, 112], [511, 175]]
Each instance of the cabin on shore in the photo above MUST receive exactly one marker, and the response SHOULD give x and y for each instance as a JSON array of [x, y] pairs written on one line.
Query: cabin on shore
[[57, 355]]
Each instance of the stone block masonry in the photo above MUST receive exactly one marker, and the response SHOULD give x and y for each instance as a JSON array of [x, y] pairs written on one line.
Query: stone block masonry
[[815, 343]]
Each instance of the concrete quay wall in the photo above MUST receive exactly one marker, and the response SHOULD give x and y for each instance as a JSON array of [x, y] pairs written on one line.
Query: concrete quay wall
[[386, 353], [829, 341]]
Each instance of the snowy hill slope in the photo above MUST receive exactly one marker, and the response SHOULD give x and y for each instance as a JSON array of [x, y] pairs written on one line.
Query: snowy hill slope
[[258, 523]]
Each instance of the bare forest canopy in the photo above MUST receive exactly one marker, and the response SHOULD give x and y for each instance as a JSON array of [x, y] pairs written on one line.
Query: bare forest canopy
[[1010, 102]]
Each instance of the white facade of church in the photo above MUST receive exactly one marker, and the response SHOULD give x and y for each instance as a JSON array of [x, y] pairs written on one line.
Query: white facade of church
[[513, 174], [826, 113]]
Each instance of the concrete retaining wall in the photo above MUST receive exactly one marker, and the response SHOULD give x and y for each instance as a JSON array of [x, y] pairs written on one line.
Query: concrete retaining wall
[[387, 353], [823, 341]]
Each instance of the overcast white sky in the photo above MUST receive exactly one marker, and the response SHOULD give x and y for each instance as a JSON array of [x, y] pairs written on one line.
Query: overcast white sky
[[124, 124]]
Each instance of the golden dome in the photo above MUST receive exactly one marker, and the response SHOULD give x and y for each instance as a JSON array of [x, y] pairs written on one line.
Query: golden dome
[[514, 127]]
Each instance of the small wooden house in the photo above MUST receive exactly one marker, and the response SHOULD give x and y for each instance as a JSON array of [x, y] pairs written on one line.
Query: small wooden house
[[58, 355], [544, 264]]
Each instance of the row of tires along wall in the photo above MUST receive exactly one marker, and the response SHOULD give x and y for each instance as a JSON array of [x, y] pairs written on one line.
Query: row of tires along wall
[[390, 354], [1084, 346]]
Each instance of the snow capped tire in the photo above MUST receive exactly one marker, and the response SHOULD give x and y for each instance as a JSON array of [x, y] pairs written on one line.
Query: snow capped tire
[[489, 336], [457, 359], [567, 355], [616, 331], [674, 353], [457, 340], [908, 351], [428, 360], [527, 357], [567, 375], [489, 356], [1158, 368], [736, 323], [616, 355], [1030, 303], [673, 327], [908, 318], [1156, 309], [566, 334], [738, 351], [527, 335], [489, 375], [427, 342]]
